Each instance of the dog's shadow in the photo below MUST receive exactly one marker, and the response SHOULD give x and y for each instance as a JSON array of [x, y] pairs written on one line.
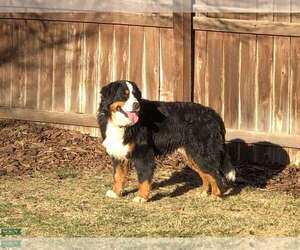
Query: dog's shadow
[[188, 179], [255, 165]]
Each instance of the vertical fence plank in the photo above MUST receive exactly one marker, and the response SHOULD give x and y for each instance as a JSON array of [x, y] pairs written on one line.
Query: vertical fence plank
[[121, 55], [91, 42], [295, 73], [68, 68], [231, 79], [6, 57], [136, 55], [151, 57], [106, 55], [19, 65], [294, 95], [265, 61], [60, 41], [32, 45], [215, 70], [75, 37], [281, 81], [183, 53], [247, 78], [282, 55], [46, 67], [264, 74], [200, 88], [167, 68]]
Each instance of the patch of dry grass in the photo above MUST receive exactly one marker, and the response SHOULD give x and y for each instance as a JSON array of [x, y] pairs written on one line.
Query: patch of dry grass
[[74, 204]]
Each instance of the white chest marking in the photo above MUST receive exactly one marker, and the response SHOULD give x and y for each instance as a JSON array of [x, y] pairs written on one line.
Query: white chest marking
[[113, 142]]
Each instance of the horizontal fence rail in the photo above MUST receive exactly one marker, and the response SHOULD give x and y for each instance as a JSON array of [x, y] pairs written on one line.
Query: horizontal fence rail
[[138, 19], [86, 120], [247, 26]]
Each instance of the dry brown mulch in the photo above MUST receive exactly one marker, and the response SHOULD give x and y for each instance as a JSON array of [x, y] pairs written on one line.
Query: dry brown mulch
[[26, 147]]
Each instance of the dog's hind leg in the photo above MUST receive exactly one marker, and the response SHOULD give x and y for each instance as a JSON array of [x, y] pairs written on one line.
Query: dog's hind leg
[[211, 182]]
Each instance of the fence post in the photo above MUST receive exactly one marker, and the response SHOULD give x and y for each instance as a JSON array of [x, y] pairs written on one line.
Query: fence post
[[182, 19]]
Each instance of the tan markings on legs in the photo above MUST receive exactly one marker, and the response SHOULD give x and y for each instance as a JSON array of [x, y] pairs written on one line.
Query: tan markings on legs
[[205, 181], [144, 189], [193, 165], [215, 190], [120, 178], [208, 180]]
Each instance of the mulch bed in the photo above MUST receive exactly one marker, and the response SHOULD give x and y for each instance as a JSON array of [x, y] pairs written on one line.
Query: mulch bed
[[26, 147]]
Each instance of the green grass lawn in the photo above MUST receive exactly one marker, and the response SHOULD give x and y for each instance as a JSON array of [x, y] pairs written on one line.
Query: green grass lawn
[[71, 203]]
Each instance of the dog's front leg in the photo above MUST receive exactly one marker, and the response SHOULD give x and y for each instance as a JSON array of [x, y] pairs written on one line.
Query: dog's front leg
[[144, 167], [120, 178]]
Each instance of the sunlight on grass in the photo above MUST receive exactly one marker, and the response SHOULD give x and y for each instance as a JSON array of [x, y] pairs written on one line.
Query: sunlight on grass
[[74, 204]]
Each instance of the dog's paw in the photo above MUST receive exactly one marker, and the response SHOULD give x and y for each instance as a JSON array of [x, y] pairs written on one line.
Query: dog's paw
[[139, 199], [111, 194], [204, 194], [217, 198]]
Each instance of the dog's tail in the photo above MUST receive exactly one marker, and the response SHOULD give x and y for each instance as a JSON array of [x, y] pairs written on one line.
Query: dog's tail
[[228, 169]]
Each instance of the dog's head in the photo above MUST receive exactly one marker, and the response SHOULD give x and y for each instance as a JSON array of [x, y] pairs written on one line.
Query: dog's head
[[120, 101]]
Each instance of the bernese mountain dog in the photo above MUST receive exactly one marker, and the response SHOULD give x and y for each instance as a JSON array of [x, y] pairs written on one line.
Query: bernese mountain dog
[[135, 130]]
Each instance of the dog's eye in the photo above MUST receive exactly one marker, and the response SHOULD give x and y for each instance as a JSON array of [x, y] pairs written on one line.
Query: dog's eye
[[126, 93]]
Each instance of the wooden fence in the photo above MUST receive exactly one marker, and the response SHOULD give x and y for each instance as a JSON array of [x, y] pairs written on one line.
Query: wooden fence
[[53, 65], [246, 66]]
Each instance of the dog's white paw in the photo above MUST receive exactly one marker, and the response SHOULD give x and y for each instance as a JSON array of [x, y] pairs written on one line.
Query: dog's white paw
[[139, 199], [111, 194]]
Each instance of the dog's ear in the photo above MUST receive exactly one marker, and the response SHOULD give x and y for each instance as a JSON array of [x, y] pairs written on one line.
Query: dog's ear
[[106, 99], [105, 92], [137, 92]]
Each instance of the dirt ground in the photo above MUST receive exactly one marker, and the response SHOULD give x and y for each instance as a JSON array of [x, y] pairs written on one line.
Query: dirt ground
[[53, 183], [27, 147]]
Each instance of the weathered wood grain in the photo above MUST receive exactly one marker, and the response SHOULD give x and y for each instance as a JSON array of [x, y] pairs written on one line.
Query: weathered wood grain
[[33, 60], [60, 40], [247, 78], [231, 79], [295, 74], [201, 84], [121, 52], [264, 81], [215, 68], [19, 64], [136, 49], [281, 74], [91, 53], [106, 53], [151, 73], [167, 66], [247, 27], [183, 54], [6, 57], [75, 41], [86, 120], [141, 19]]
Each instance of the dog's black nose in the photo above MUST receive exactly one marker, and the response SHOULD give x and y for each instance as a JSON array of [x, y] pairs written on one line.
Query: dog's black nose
[[136, 106]]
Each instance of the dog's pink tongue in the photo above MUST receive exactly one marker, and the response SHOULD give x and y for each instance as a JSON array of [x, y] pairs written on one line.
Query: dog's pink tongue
[[133, 117]]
